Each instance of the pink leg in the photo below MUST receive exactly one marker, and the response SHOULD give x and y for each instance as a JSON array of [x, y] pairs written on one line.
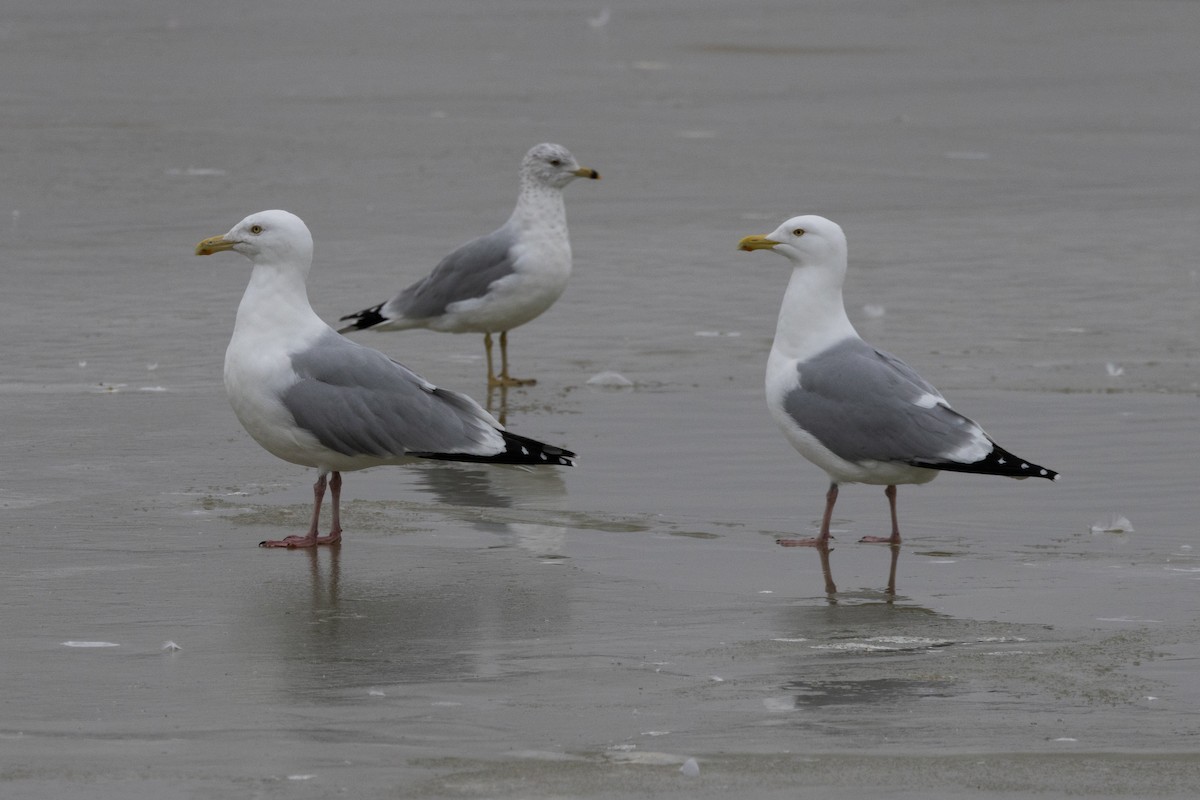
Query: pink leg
[[821, 540], [335, 523], [311, 539], [895, 537]]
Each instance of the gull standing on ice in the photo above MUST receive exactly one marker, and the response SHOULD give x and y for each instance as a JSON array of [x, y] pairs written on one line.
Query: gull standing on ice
[[858, 413], [314, 398], [496, 282]]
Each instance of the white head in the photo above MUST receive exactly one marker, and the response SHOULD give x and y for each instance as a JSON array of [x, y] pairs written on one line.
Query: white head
[[268, 237], [807, 241], [812, 316], [553, 165]]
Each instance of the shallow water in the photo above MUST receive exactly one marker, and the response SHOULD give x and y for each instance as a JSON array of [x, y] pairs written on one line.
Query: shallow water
[[1019, 188]]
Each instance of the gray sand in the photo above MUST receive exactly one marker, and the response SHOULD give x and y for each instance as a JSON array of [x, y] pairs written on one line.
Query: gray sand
[[1019, 183]]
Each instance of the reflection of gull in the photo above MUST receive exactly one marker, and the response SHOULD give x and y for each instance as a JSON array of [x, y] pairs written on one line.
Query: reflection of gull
[[823, 550], [452, 619], [463, 487], [496, 282], [860, 414], [314, 398]]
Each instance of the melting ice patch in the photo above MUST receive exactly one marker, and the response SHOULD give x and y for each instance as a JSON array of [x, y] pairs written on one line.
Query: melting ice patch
[[196, 172], [610, 380], [779, 703], [1115, 523], [885, 643]]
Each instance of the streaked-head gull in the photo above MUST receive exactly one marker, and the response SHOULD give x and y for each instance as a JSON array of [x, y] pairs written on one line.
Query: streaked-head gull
[[496, 282], [312, 397], [858, 413]]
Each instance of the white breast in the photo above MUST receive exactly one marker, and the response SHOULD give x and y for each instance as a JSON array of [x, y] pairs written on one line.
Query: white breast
[[274, 320]]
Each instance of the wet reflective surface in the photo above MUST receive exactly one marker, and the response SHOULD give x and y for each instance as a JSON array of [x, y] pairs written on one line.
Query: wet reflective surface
[[1021, 210]]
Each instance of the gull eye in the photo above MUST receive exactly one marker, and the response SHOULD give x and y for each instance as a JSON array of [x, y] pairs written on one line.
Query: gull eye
[[798, 232], [556, 162], [256, 229]]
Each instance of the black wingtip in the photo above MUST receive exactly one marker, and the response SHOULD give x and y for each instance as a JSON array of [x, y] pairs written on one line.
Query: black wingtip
[[367, 318], [998, 462], [522, 450], [517, 450]]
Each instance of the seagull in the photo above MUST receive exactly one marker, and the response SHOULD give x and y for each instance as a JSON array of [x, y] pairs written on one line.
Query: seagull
[[496, 282], [860, 414], [314, 398]]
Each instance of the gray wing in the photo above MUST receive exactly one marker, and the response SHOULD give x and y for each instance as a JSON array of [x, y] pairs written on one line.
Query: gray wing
[[861, 403], [464, 274], [357, 401]]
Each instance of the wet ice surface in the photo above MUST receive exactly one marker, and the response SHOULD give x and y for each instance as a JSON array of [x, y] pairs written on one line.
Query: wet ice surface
[[1020, 202]]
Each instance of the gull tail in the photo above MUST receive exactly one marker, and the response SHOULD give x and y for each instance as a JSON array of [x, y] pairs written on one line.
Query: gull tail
[[517, 450], [367, 318], [998, 462]]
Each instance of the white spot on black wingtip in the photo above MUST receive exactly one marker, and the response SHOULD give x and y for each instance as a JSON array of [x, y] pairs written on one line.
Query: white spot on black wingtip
[[1024, 465], [1001, 461]]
